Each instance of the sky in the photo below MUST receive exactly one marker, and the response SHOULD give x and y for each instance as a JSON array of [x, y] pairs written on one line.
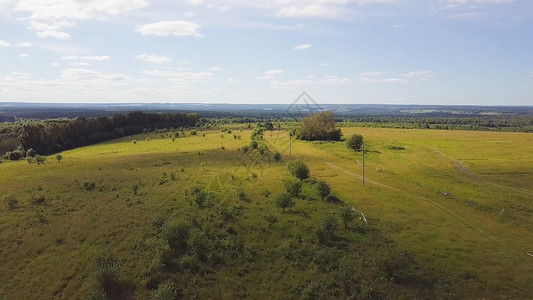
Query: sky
[[438, 52]]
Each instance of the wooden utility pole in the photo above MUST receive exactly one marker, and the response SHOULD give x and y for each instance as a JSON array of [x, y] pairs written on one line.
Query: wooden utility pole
[[363, 164], [290, 145]]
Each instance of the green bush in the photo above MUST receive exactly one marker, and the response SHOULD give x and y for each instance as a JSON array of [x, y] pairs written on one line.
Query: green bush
[[327, 229], [254, 144], [299, 169], [106, 277], [59, 157], [165, 291], [89, 186], [177, 236], [11, 201], [347, 215], [40, 159], [277, 156], [30, 160], [37, 200], [323, 189], [30, 153], [284, 201], [354, 142], [15, 155], [193, 132], [292, 187], [333, 199]]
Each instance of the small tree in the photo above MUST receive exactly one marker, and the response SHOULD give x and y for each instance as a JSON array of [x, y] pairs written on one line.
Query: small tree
[[40, 159], [320, 126], [15, 155], [284, 200], [347, 215], [354, 142], [134, 142], [298, 169], [59, 157], [323, 189], [292, 187], [327, 229]]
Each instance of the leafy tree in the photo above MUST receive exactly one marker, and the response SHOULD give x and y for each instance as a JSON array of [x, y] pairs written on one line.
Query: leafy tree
[[320, 126], [323, 189], [59, 157], [347, 215], [253, 144], [292, 187], [284, 201], [134, 142], [269, 126], [354, 142], [298, 169]]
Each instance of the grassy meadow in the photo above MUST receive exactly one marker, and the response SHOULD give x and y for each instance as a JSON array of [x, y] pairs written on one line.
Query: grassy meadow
[[449, 215]]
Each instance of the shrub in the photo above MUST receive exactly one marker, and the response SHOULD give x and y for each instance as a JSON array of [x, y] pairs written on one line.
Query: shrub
[[332, 199], [277, 156], [11, 201], [284, 201], [202, 198], [323, 189], [165, 291], [177, 236], [15, 155], [266, 193], [241, 194], [327, 229], [347, 215], [298, 169], [89, 186], [292, 187], [59, 157], [30, 153], [37, 200], [40, 159], [135, 187], [30, 160], [245, 149], [354, 142], [254, 144], [193, 132], [271, 219], [106, 277], [134, 142]]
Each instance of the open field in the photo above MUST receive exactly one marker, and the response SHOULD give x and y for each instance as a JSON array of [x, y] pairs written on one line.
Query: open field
[[449, 216]]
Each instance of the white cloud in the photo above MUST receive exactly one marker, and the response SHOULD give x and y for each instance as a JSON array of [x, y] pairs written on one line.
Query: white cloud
[[302, 47], [170, 28], [233, 81], [290, 83], [480, 1], [24, 45], [23, 55], [195, 2], [381, 76], [270, 74], [319, 8], [49, 17], [185, 76], [334, 80], [189, 14], [93, 58], [154, 58], [4, 44], [216, 69], [80, 63], [60, 35]]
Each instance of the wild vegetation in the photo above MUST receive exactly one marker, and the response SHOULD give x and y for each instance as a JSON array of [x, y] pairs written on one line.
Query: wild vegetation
[[216, 215]]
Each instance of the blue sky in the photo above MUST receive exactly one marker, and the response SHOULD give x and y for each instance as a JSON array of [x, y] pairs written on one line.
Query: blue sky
[[472, 52]]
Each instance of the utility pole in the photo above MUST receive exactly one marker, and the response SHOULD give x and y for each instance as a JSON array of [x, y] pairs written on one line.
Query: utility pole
[[290, 145], [363, 165]]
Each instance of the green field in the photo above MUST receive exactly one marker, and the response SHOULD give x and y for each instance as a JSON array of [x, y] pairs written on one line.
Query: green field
[[449, 216]]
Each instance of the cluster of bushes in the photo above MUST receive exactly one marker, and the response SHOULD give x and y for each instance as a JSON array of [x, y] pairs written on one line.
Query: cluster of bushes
[[257, 144], [321, 127]]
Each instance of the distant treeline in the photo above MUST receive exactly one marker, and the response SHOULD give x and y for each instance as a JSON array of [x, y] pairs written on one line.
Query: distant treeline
[[52, 136], [516, 123]]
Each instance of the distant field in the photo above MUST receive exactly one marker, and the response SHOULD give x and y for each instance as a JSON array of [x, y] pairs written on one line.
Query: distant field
[[449, 216]]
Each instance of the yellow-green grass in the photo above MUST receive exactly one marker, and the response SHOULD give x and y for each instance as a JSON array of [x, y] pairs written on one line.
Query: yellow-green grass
[[476, 250]]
